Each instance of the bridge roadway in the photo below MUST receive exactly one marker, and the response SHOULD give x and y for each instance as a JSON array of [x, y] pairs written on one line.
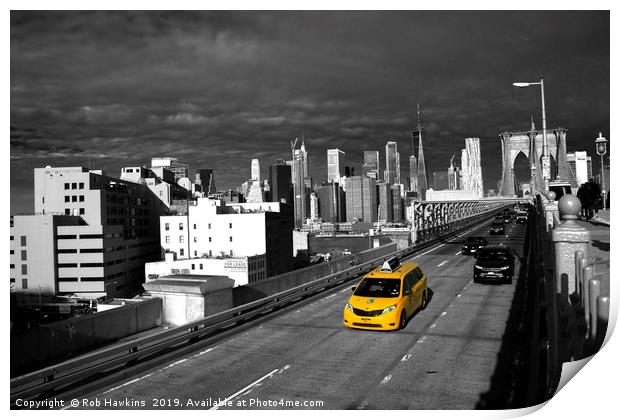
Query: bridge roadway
[[456, 354]]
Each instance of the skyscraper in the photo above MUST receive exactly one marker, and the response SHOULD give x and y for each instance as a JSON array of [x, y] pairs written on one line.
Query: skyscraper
[[205, 178], [371, 164], [454, 176], [413, 173], [255, 170], [392, 164], [180, 170], [301, 183], [422, 176], [398, 207], [361, 197], [386, 213], [332, 207], [440, 181], [471, 171], [280, 182], [334, 165]]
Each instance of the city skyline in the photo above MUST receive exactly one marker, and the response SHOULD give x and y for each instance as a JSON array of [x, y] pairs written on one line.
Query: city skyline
[[207, 87]]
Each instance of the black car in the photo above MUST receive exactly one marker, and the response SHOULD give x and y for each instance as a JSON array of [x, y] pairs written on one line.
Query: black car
[[521, 218], [497, 228], [473, 244], [494, 262]]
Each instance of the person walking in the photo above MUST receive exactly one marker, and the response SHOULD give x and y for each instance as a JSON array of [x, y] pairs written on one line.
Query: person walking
[[595, 199], [582, 196]]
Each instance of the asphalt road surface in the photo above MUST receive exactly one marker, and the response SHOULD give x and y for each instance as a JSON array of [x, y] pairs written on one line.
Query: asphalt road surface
[[456, 354]]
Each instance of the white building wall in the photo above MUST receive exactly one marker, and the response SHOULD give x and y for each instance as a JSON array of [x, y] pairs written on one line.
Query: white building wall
[[242, 270], [33, 235]]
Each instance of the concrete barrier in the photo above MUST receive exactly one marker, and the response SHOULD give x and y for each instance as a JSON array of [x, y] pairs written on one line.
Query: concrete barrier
[[50, 343], [269, 286]]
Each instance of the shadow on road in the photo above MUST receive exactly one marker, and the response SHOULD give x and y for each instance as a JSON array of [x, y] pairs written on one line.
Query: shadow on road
[[508, 383], [603, 246]]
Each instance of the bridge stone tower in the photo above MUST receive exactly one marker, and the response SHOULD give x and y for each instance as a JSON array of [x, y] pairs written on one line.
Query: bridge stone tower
[[530, 144]]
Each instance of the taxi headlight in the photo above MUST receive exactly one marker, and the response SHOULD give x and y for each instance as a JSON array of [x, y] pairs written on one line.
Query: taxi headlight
[[349, 307], [478, 267], [504, 268], [388, 309]]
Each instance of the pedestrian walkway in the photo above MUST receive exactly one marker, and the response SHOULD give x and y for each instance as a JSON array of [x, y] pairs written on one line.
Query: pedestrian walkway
[[603, 217]]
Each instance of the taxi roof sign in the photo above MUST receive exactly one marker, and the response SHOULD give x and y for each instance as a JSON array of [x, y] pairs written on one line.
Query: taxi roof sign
[[390, 265]]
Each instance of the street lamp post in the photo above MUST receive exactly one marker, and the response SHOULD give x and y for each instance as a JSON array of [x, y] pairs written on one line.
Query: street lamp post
[[601, 150], [546, 160]]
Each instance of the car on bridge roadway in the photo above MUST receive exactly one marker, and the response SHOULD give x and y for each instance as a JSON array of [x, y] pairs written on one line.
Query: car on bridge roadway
[[497, 228], [473, 244], [387, 297], [494, 262]]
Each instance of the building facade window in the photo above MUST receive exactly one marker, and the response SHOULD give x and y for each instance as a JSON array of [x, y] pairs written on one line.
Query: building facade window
[[24, 269], [182, 252], [195, 239], [209, 239], [180, 226], [67, 212], [210, 253], [167, 239], [66, 185], [200, 266], [181, 239], [24, 283], [81, 185], [194, 225], [82, 211], [195, 253], [167, 226], [231, 253], [81, 198], [193, 266], [230, 225], [66, 199], [230, 239], [23, 240], [74, 185], [74, 198], [209, 225], [24, 255]]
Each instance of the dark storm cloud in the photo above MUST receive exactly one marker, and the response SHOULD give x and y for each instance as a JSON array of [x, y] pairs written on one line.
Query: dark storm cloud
[[217, 89]]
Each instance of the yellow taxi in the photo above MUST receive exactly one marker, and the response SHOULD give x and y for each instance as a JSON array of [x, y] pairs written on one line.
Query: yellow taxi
[[387, 296]]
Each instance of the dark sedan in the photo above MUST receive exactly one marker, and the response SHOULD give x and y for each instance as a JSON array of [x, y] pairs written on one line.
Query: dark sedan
[[497, 228], [473, 244], [494, 263]]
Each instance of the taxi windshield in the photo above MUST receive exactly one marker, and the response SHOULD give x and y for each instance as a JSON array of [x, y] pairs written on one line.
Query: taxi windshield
[[378, 287]]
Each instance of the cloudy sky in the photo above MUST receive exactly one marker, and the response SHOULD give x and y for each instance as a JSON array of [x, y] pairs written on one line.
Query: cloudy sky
[[216, 89]]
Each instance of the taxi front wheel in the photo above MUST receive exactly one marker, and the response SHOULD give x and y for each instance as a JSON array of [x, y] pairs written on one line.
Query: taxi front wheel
[[403, 320]]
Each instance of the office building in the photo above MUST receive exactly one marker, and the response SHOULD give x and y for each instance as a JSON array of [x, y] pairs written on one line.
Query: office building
[[301, 185], [280, 182], [398, 204], [361, 199], [206, 179], [471, 170], [384, 194], [334, 165], [454, 176], [90, 235], [255, 170], [371, 164], [392, 163], [413, 173], [332, 202], [179, 170], [440, 181], [314, 207], [160, 181], [211, 228]]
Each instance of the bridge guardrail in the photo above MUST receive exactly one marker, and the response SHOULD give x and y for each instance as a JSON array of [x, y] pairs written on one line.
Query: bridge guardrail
[[572, 301], [63, 374]]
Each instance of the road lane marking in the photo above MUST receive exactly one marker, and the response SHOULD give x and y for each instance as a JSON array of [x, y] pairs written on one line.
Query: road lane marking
[[442, 263], [249, 387], [443, 314], [458, 253], [432, 326], [386, 379], [406, 357]]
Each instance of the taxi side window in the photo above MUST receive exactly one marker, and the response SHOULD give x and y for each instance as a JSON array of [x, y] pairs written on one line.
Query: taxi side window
[[417, 274], [409, 281]]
